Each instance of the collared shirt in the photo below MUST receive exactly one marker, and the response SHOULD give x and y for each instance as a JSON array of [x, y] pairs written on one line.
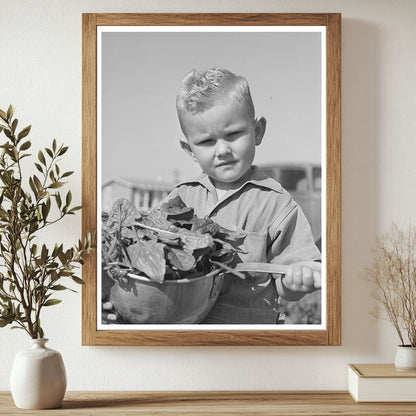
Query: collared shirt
[[277, 232]]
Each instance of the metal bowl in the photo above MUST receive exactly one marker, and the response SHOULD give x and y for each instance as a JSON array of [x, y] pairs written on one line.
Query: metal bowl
[[137, 300]]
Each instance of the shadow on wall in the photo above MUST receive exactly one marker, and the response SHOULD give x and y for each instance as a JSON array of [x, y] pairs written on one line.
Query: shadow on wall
[[360, 180]]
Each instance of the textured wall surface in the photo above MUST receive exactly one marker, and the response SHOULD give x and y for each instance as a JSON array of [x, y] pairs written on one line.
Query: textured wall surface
[[40, 73]]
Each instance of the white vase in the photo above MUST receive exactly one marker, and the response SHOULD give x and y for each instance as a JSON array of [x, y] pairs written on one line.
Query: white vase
[[405, 358], [38, 377]]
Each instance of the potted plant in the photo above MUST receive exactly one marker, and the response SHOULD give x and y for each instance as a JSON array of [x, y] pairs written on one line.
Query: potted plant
[[31, 272], [393, 277]]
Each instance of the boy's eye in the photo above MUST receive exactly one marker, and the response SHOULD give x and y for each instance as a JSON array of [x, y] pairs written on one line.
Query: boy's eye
[[206, 142], [235, 134]]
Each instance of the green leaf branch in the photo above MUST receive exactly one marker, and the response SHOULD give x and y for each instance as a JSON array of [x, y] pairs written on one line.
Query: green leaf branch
[[31, 273]]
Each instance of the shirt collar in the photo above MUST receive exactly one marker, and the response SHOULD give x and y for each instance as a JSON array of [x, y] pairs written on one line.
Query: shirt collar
[[257, 177]]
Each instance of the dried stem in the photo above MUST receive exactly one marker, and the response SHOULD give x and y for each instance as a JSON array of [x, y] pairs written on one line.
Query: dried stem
[[393, 276]]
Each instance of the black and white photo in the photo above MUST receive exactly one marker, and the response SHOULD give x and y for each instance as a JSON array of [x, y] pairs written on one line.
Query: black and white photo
[[211, 178]]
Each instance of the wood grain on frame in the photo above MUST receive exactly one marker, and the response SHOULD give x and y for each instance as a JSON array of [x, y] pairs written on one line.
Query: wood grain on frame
[[89, 173], [333, 181], [332, 334]]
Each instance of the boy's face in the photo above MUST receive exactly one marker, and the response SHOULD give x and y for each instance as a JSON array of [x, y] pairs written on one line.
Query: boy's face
[[222, 139]]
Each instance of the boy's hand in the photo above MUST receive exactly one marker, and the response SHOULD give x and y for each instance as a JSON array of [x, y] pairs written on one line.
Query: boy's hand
[[300, 279]]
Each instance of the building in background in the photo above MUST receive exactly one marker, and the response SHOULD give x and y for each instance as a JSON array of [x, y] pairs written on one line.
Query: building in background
[[143, 194]]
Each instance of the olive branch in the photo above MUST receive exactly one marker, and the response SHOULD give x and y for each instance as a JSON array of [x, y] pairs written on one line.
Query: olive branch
[[30, 273]]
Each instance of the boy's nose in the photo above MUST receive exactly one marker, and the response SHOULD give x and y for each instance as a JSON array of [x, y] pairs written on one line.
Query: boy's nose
[[222, 148]]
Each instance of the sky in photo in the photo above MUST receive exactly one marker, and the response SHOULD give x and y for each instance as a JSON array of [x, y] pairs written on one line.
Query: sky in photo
[[142, 72]]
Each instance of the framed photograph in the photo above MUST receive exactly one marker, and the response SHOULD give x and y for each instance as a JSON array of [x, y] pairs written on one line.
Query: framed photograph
[[211, 172]]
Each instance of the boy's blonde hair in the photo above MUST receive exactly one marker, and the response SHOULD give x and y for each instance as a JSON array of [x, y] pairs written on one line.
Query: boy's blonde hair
[[200, 88]]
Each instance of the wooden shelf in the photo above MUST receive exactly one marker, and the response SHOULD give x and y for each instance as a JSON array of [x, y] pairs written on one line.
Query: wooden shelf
[[318, 403]]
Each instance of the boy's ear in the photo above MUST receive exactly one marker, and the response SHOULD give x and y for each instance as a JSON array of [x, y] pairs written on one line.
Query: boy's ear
[[185, 146], [259, 129]]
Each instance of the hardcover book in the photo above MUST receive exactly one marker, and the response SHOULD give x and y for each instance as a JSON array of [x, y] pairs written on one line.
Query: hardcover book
[[381, 383]]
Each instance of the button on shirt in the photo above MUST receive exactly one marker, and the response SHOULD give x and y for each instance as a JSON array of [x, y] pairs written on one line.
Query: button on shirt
[[277, 231]]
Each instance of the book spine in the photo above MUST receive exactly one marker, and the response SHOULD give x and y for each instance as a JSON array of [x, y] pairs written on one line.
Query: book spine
[[353, 383]]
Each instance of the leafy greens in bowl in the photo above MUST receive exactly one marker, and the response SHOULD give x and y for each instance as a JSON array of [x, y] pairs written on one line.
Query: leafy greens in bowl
[[166, 243]]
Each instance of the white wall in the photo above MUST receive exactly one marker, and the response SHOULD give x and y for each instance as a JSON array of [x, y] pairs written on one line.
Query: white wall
[[40, 73]]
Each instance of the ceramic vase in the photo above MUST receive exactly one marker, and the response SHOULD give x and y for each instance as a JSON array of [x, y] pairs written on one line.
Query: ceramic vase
[[38, 377], [405, 358]]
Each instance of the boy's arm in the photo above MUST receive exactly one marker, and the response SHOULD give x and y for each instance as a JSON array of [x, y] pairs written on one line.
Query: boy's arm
[[292, 243]]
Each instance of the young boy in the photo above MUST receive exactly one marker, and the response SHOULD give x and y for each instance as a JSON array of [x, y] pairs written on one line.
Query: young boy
[[216, 115]]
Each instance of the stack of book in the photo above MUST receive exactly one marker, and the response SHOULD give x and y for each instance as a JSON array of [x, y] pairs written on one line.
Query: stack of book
[[381, 383]]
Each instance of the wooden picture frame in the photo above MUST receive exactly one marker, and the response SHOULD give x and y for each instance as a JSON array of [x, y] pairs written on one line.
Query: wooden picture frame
[[330, 334]]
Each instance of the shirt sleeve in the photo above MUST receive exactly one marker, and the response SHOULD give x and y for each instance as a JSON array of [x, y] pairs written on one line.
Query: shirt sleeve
[[291, 238]]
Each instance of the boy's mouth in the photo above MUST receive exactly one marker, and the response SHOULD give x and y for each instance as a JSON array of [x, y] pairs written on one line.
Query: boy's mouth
[[226, 163]]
